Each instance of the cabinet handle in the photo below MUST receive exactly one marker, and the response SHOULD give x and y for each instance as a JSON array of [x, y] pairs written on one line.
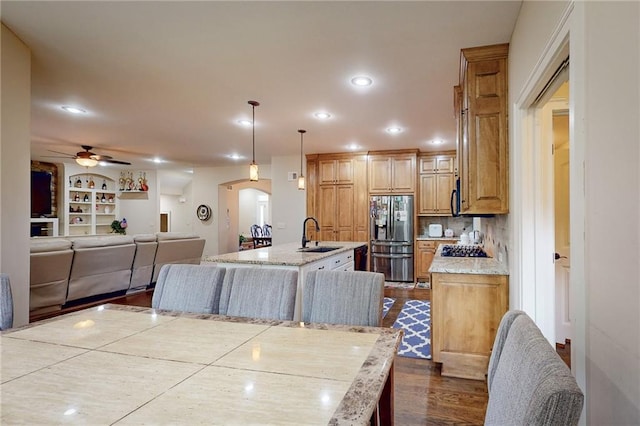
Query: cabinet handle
[[322, 267]]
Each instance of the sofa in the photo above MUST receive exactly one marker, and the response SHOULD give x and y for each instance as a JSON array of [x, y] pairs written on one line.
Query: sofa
[[67, 269], [528, 382], [50, 265], [101, 265], [177, 247]]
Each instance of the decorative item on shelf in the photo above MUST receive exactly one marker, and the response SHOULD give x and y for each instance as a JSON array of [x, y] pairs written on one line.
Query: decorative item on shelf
[[71, 209], [104, 185], [70, 183], [130, 185], [76, 197], [253, 167], [111, 198], [142, 182], [86, 198], [122, 181], [78, 209], [92, 184], [119, 226], [301, 177], [107, 209], [103, 199], [79, 183]]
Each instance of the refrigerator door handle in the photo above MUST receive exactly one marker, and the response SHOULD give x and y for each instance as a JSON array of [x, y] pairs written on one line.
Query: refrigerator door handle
[[393, 256]]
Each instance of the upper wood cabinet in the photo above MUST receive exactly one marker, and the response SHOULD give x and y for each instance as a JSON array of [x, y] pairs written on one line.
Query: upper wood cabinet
[[483, 139], [335, 170], [435, 184], [392, 173]]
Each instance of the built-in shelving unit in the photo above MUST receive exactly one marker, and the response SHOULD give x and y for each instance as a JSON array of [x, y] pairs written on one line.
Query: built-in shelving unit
[[91, 204]]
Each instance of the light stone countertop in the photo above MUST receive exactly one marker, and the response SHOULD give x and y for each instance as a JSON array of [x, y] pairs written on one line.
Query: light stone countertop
[[284, 254], [427, 238], [467, 265]]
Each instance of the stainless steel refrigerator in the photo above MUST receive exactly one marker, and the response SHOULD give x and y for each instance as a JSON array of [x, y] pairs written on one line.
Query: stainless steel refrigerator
[[391, 233]]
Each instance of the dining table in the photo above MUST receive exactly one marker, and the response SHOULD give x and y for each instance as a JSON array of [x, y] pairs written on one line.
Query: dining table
[[130, 365]]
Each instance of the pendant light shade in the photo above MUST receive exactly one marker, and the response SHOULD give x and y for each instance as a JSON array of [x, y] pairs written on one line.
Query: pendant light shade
[[301, 177], [253, 167]]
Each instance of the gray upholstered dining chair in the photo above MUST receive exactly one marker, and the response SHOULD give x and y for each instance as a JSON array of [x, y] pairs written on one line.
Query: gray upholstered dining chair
[[498, 343], [343, 297], [6, 303], [188, 288], [263, 293]]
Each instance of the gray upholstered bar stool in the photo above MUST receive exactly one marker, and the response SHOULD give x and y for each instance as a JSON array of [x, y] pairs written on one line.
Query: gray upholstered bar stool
[[6, 303]]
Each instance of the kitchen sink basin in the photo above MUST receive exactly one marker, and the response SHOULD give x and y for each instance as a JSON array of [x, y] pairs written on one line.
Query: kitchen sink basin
[[320, 249]]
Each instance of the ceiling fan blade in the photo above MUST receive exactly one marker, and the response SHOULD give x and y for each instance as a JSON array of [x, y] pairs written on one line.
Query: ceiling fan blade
[[117, 162], [63, 153]]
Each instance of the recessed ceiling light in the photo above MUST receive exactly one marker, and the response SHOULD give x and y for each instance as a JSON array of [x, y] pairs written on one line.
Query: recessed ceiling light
[[158, 160], [322, 115], [437, 141], [394, 130], [244, 122], [353, 146], [234, 156], [73, 110], [361, 81]]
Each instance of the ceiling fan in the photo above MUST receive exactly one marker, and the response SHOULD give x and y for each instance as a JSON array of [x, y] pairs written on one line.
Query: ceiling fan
[[87, 158]]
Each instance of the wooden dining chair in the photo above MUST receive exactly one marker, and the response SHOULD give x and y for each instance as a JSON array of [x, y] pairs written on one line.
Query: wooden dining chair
[[256, 236], [343, 297]]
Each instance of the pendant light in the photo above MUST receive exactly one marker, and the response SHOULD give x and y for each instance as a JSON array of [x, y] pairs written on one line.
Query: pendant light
[[301, 177], [253, 168]]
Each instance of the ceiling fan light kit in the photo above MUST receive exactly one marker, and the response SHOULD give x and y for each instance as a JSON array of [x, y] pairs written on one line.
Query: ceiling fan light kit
[[87, 158]]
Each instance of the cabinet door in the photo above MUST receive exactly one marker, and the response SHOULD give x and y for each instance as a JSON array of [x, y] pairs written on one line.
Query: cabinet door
[[327, 172], [344, 213], [427, 165], [425, 257], [404, 173], [361, 200], [327, 212], [487, 173], [344, 170], [379, 174], [444, 164], [444, 185], [427, 194]]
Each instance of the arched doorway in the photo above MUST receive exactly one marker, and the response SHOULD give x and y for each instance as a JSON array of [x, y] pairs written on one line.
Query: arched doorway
[[241, 202]]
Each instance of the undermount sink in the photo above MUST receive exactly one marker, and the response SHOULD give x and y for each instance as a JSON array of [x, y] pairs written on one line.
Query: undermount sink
[[320, 249]]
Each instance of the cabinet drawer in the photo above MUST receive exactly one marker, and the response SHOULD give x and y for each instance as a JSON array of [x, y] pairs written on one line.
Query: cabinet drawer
[[426, 245], [349, 266], [341, 259]]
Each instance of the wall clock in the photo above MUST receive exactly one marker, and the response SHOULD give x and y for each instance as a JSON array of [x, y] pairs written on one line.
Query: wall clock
[[203, 212]]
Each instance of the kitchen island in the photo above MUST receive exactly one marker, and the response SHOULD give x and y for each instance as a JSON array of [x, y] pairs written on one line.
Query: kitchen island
[[290, 256], [469, 296]]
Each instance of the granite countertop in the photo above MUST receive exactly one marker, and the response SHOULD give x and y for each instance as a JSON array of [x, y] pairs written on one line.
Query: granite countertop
[[284, 254], [467, 265]]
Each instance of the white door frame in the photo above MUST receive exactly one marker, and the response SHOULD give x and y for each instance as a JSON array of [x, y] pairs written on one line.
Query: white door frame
[[532, 276]]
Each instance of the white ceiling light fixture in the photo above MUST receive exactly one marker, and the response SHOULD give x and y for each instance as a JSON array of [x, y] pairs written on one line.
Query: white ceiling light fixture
[[86, 161], [322, 115], [253, 167], [394, 130], [301, 177], [437, 141], [361, 81], [73, 110], [245, 123]]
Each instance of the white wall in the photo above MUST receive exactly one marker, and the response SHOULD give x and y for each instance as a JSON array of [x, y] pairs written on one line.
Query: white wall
[[288, 203], [605, 105], [15, 182], [180, 213], [248, 212]]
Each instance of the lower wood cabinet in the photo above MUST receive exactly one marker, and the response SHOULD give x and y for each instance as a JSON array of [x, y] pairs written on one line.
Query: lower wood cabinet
[[426, 250], [466, 310]]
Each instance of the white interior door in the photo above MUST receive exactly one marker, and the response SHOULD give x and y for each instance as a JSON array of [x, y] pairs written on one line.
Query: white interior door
[[562, 225]]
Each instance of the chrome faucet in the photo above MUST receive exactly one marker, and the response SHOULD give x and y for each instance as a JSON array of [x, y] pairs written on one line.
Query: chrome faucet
[[304, 230]]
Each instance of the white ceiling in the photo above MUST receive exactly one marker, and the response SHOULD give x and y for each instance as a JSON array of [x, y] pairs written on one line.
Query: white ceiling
[[171, 79]]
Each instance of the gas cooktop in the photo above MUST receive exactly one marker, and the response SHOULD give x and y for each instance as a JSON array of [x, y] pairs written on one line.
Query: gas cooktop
[[462, 250]]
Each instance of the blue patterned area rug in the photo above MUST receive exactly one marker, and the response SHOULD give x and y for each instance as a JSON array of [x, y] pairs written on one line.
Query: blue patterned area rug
[[415, 320], [387, 303]]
